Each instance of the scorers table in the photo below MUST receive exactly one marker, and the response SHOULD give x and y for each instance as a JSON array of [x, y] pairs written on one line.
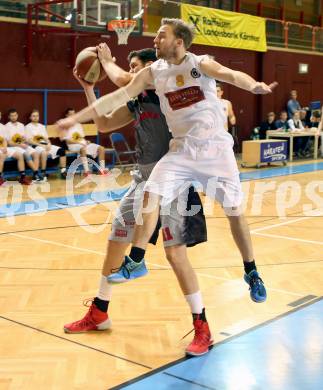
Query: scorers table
[[263, 152]]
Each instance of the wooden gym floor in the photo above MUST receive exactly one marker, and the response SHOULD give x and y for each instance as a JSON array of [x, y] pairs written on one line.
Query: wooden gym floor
[[49, 265]]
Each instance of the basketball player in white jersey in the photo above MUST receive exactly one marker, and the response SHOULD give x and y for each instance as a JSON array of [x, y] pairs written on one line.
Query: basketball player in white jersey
[[3, 151], [37, 137], [16, 137], [77, 143], [152, 136], [201, 149], [227, 107], [9, 152]]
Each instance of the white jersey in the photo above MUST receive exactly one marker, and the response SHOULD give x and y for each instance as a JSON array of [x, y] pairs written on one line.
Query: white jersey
[[2, 135], [35, 132], [75, 133], [15, 132], [188, 100]]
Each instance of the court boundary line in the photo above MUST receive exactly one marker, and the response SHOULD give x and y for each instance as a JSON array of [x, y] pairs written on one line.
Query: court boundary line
[[190, 381], [162, 269], [74, 342], [253, 328], [153, 264], [288, 238], [305, 217]]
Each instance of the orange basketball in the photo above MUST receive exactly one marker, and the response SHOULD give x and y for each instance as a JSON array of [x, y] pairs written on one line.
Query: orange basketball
[[88, 65]]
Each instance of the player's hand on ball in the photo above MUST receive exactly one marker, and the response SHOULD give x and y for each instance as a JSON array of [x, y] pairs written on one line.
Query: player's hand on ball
[[84, 84], [104, 53], [263, 89]]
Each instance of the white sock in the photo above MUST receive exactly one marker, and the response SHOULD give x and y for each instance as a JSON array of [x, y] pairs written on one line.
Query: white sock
[[195, 302], [105, 289], [85, 164], [102, 164]]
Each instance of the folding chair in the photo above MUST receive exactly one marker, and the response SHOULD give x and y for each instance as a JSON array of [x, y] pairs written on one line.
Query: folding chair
[[125, 156]]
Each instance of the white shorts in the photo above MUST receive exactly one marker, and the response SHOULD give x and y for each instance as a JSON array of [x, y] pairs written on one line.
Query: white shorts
[[10, 151], [51, 153], [91, 149], [206, 163], [177, 228], [28, 151]]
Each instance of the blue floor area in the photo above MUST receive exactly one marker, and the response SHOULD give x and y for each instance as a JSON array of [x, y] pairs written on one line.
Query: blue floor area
[[283, 354], [49, 204], [264, 173]]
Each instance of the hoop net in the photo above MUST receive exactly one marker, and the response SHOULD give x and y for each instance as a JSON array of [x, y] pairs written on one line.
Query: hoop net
[[123, 28]]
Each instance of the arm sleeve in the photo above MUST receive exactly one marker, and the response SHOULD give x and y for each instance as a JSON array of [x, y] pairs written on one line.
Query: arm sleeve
[[111, 102]]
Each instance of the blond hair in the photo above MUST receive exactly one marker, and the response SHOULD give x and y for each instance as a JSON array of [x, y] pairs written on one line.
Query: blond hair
[[181, 30]]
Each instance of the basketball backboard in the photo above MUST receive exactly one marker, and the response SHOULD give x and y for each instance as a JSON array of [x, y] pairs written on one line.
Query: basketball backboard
[[94, 15]]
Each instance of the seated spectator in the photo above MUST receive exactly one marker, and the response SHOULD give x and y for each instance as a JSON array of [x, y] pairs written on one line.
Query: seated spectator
[[296, 125], [282, 122], [269, 124], [8, 152], [293, 104], [315, 119], [3, 151], [37, 137], [76, 142], [305, 116], [16, 137]]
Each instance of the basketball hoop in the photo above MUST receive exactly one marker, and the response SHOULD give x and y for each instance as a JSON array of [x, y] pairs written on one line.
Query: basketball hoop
[[123, 28]]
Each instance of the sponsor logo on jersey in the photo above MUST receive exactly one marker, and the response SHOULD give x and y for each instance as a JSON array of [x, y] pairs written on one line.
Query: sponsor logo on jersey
[[147, 115], [185, 97], [195, 73], [180, 80]]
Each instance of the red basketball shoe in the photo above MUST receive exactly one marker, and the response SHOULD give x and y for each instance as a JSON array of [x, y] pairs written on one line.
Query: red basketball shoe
[[104, 172], [202, 339], [94, 319]]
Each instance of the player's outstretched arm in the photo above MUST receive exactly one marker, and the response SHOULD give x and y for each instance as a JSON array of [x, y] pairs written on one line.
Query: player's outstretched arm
[[118, 118], [108, 103], [239, 79], [116, 74]]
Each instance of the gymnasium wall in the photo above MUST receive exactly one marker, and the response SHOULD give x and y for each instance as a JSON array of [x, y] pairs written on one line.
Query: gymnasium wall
[[51, 69]]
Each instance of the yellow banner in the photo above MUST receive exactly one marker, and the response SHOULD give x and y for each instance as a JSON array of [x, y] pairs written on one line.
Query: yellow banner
[[224, 28]]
